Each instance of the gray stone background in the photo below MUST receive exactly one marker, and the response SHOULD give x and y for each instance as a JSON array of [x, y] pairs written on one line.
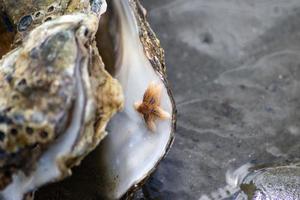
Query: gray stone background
[[234, 66]]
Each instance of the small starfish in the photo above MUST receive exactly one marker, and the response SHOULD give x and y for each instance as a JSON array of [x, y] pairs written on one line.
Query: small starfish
[[150, 106]]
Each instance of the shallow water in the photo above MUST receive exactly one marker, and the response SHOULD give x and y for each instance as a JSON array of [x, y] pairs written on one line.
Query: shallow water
[[234, 66]]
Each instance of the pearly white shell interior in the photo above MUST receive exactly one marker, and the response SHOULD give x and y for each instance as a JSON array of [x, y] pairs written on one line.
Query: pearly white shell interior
[[130, 151]]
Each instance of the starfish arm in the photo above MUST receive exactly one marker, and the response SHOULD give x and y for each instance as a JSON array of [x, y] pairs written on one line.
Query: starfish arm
[[150, 123], [137, 105], [161, 114], [153, 94]]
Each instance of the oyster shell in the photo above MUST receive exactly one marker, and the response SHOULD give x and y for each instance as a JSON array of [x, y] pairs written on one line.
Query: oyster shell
[[69, 94], [271, 182], [51, 112], [131, 151]]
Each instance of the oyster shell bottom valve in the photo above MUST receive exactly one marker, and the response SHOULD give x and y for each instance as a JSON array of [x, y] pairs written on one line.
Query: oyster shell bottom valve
[[80, 76]]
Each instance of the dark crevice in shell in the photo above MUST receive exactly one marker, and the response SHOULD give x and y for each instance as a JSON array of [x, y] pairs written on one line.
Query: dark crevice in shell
[[7, 33], [105, 39]]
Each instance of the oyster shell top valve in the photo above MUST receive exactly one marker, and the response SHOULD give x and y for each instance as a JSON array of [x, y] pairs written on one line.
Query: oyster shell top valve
[[77, 76]]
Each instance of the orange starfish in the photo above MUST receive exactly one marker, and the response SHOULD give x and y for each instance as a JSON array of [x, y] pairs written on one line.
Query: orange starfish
[[150, 106]]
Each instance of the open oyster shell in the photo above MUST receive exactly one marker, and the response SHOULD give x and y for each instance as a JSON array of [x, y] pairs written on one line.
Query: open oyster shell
[[131, 151], [72, 97]]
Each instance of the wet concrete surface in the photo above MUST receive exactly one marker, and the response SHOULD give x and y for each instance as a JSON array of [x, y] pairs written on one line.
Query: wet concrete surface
[[234, 66]]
